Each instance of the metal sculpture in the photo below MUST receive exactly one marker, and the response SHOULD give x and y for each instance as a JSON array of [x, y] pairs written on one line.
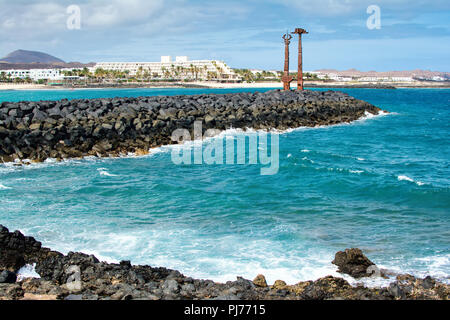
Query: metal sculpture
[[286, 78], [300, 31]]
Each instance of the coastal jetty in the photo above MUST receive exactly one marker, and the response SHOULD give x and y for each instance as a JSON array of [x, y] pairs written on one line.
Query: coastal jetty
[[77, 276], [117, 126]]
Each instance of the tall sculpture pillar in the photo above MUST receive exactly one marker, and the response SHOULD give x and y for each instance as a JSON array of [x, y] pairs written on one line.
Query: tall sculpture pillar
[[286, 78], [300, 31]]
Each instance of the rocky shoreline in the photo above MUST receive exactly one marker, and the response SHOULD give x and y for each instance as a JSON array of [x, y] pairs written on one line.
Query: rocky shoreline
[[77, 276], [117, 126]]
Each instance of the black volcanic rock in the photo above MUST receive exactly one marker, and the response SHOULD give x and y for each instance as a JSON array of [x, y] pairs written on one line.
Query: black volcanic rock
[[15, 249], [24, 56], [111, 127], [7, 277], [78, 276], [353, 262]]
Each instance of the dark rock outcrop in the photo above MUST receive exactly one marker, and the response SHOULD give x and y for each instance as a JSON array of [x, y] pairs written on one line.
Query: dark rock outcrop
[[7, 277], [110, 127], [77, 276], [353, 262], [15, 249]]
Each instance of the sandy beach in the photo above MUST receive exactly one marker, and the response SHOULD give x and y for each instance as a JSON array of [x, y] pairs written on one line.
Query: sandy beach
[[22, 86]]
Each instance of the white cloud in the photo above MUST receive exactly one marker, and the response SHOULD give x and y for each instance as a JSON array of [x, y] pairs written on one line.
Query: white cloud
[[341, 8], [116, 12], [242, 33], [9, 24]]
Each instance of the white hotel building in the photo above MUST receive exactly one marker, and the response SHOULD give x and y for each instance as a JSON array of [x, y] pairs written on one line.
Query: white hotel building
[[180, 68], [36, 74]]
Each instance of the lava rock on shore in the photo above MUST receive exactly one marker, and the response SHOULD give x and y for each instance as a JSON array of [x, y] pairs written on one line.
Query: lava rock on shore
[[111, 127], [78, 276], [353, 262]]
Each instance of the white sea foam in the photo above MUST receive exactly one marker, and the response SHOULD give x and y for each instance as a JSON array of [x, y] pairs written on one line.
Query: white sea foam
[[356, 171], [367, 116], [247, 259], [306, 159], [360, 159], [2, 187], [406, 178], [435, 265], [103, 172], [231, 132], [27, 271]]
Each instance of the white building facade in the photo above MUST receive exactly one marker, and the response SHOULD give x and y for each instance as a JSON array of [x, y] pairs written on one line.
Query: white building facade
[[36, 74], [181, 68]]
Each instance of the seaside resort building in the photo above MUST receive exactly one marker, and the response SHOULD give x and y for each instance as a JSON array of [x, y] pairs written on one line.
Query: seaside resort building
[[36, 74], [181, 68]]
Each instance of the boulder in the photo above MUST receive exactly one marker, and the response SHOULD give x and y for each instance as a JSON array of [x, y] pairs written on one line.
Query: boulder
[[279, 285], [260, 281], [87, 123], [15, 249], [353, 262], [7, 277]]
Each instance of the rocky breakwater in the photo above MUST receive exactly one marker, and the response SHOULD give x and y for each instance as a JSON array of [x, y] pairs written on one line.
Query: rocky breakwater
[[77, 276], [111, 127]]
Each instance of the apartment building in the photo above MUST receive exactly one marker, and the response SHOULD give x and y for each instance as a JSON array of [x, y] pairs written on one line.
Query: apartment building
[[180, 68], [36, 74]]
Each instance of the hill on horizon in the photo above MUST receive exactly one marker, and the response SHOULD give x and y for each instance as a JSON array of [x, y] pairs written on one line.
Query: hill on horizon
[[405, 73], [24, 56]]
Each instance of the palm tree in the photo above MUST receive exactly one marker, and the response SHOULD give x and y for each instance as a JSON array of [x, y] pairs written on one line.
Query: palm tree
[[147, 74], [67, 73], [3, 76], [220, 71], [196, 71], [172, 70], [140, 72], [166, 72], [100, 73]]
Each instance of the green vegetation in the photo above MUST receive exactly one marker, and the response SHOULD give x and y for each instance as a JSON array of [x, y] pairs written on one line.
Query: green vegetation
[[249, 76], [261, 76], [172, 73]]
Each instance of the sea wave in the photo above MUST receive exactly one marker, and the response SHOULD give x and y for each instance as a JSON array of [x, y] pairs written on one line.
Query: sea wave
[[406, 178], [27, 271], [103, 172], [228, 133]]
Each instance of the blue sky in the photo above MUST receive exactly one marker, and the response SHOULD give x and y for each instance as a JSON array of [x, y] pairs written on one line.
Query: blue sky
[[413, 34]]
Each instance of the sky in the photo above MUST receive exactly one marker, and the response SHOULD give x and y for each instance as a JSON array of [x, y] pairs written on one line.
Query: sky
[[412, 34]]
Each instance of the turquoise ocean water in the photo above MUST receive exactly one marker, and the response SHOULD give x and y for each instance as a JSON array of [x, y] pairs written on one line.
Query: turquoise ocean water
[[380, 184]]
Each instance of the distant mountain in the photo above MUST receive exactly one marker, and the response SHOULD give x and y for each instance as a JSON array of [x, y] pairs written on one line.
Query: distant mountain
[[28, 66], [25, 57]]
